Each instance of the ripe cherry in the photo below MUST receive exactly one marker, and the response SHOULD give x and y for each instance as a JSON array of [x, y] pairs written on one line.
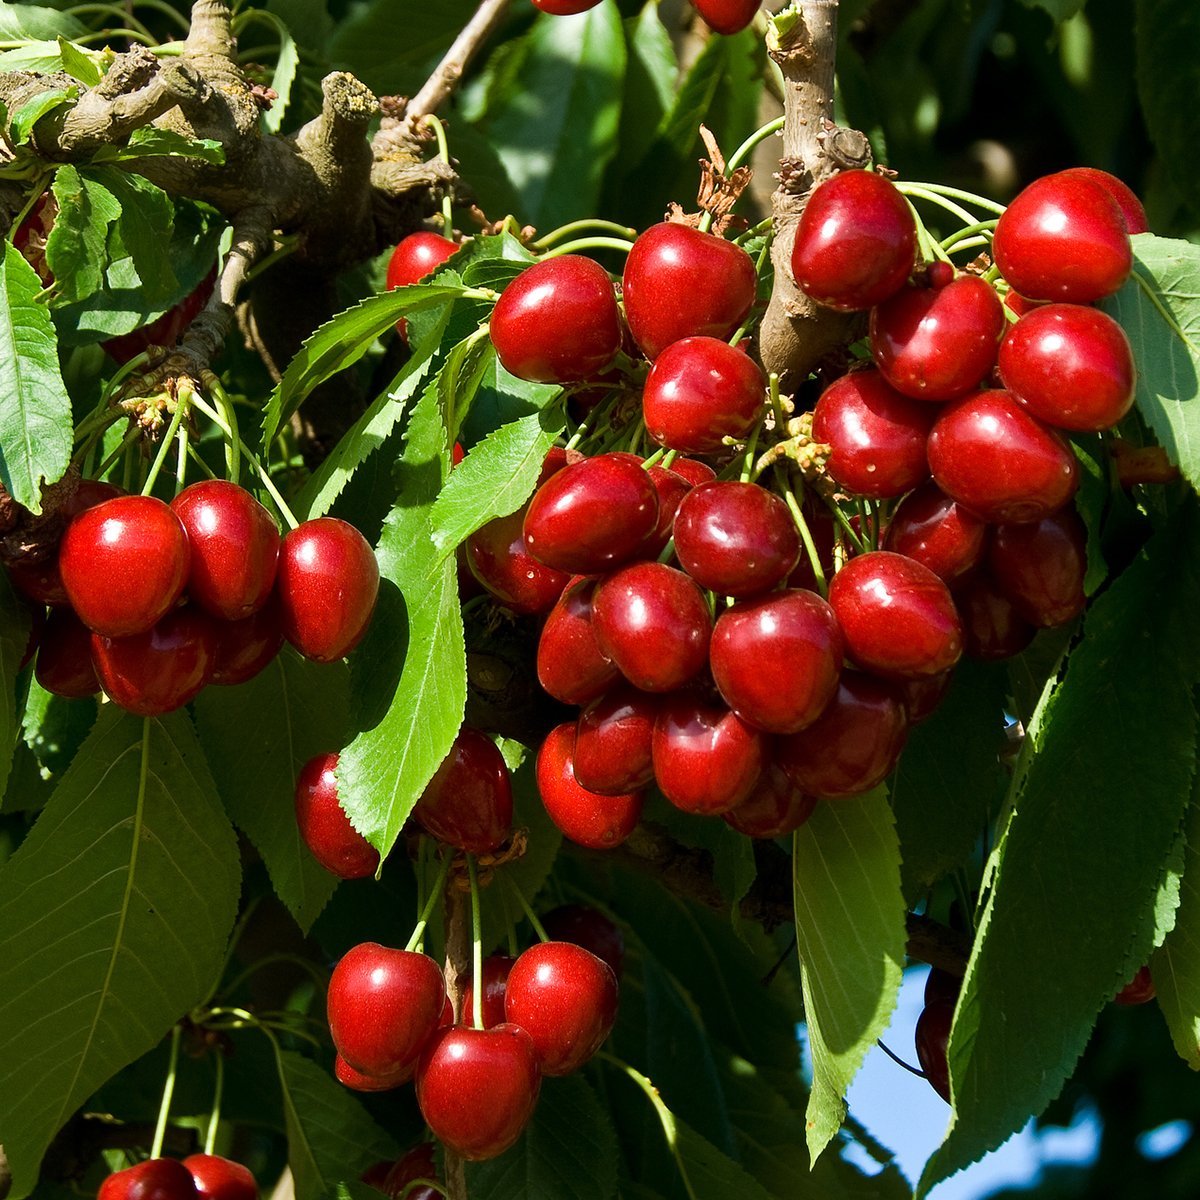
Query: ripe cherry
[[154, 1179], [587, 927], [220, 1178], [1041, 567], [324, 826], [496, 968], [64, 661], [500, 560], [932, 1039], [727, 16], [923, 695], [416, 256], [992, 627], [564, 8], [775, 808], [1130, 206], [937, 532], [694, 471], [681, 283], [468, 802], [671, 489], [612, 742], [942, 986], [1139, 990], [37, 625], [418, 1163], [359, 1081], [246, 647], [570, 664]]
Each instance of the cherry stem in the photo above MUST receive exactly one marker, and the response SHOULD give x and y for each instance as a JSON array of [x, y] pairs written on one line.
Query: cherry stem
[[588, 243], [810, 547], [574, 227], [232, 444], [706, 220], [922, 191], [744, 151], [214, 1120], [955, 240], [476, 947], [754, 230], [164, 1109], [418, 934], [439, 131], [929, 246], [25, 211], [655, 459], [781, 417], [543, 936], [941, 189], [899, 1061], [182, 400], [181, 463], [422, 1184], [199, 461]]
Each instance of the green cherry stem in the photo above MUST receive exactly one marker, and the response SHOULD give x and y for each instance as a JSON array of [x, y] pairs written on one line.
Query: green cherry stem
[[543, 936], [588, 243], [214, 1120], [476, 947], [810, 547], [439, 131], [574, 227], [233, 444], [181, 438], [920, 191], [183, 401], [418, 934], [509, 927], [164, 1108], [941, 189], [744, 151], [26, 209]]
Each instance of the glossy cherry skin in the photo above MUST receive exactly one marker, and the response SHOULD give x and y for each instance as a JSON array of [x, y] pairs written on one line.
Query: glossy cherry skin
[[998, 461], [1070, 366], [220, 1178], [1139, 990], [558, 321], [1063, 238], [671, 489], [160, 670], [1041, 567], [775, 808], [699, 392], [468, 802], [383, 1004], [565, 998], [416, 256], [923, 696], [587, 927], [64, 661], [564, 8], [727, 16], [856, 243], [694, 471], [736, 539], [418, 1163], [776, 660], [938, 343], [681, 283], [570, 663], [992, 627], [612, 742], [124, 564], [324, 826], [154, 1179], [936, 531], [587, 818], [897, 616], [876, 436], [500, 560], [1130, 206], [477, 1088], [359, 1081], [496, 968], [941, 986], [707, 760], [853, 745], [592, 515], [233, 547], [246, 647], [653, 622], [327, 585], [932, 1039]]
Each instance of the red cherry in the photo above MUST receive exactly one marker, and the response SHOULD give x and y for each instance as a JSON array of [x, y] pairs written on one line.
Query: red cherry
[[937, 532], [327, 585], [612, 743], [587, 927], [821, 527], [359, 1081], [416, 256], [671, 489], [564, 8], [417, 1164], [856, 243], [727, 16], [499, 558], [775, 808], [383, 1004], [496, 968], [165, 330], [570, 664], [992, 627], [932, 1038], [942, 987], [587, 818], [477, 1088], [1139, 990], [33, 233], [1063, 238], [565, 998], [37, 626], [1041, 567], [124, 564], [64, 661], [244, 648], [468, 802], [220, 1178], [681, 283], [922, 696], [154, 1179], [558, 321], [1130, 206], [324, 826], [694, 471]]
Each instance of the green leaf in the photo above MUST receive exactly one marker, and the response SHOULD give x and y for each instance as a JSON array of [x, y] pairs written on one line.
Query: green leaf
[[1159, 309], [331, 1137], [152, 142], [851, 938], [79, 62], [287, 61], [114, 915], [568, 1151], [733, 854], [1059, 10], [42, 58], [14, 634], [146, 220], [1086, 848], [649, 82], [258, 736], [20, 22], [54, 728], [1168, 76], [21, 123], [35, 410], [76, 248]]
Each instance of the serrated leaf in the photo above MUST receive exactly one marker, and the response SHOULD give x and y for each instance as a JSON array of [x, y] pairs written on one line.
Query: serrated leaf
[[54, 728], [35, 410], [114, 915], [75, 249], [21, 123], [146, 221], [14, 635], [1168, 76], [1087, 846], [287, 61], [79, 62], [851, 938], [19, 23], [42, 58], [258, 736]]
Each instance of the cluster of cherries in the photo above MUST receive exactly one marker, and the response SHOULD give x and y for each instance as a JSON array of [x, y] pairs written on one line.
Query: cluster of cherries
[[198, 1177], [722, 16], [152, 601]]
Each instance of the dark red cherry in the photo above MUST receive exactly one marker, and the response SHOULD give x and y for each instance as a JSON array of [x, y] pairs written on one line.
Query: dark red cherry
[[587, 818], [468, 802], [823, 531], [327, 585], [707, 760], [324, 826], [246, 647], [897, 616], [64, 661], [856, 243], [418, 1163], [500, 560], [233, 547], [570, 664], [220, 1178], [694, 471], [941, 986], [124, 564], [612, 742], [671, 489], [681, 283], [727, 16], [360, 1081], [565, 998], [775, 808], [876, 435], [853, 745], [699, 392], [936, 531], [154, 1179], [932, 1039], [923, 695], [558, 321], [1130, 206], [992, 627], [776, 659], [1000, 462], [653, 622], [496, 968], [1139, 990], [416, 256], [1063, 238], [160, 670], [1070, 366], [383, 1004], [564, 8], [37, 625], [938, 343], [587, 927], [1041, 567]]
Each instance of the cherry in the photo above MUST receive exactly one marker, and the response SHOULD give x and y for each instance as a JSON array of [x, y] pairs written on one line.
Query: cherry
[[853, 745], [1139, 990], [922, 696], [570, 664], [694, 471], [160, 670], [417, 1164], [383, 1004], [1041, 567], [477, 1088], [324, 826], [165, 330], [681, 283], [942, 987], [775, 808], [932, 1039], [587, 927], [897, 616], [612, 743], [124, 564], [823, 531], [220, 1178], [33, 233], [416, 256], [707, 760], [565, 998], [37, 626], [499, 558], [246, 647], [359, 1081], [937, 532], [496, 968], [564, 8], [558, 321], [468, 802], [653, 622], [671, 489], [938, 343], [64, 661], [1000, 462], [1063, 238], [735, 539], [1070, 366], [727, 16], [327, 585], [154, 1179], [876, 436], [1130, 206], [592, 515], [992, 627], [776, 660], [856, 242], [587, 818], [699, 392]]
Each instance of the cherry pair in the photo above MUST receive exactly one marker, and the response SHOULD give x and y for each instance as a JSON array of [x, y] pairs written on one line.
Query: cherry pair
[[199, 1177]]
